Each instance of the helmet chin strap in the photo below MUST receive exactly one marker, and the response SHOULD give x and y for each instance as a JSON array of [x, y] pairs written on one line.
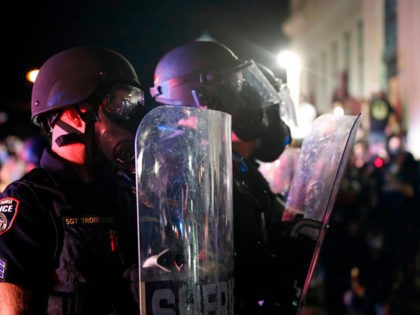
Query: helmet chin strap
[[73, 135], [76, 136]]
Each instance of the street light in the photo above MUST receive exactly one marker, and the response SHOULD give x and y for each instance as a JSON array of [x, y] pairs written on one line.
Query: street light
[[31, 75], [305, 112]]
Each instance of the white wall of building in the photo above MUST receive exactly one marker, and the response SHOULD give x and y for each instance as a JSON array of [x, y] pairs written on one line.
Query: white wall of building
[[317, 31], [373, 47], [409, 69]]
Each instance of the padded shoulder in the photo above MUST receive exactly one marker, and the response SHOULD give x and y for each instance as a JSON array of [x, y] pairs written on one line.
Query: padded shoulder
[[37, 174], [40, 179]]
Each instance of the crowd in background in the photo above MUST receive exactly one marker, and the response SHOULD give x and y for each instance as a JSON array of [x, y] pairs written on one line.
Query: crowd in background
[[18, 155], [370, 259]]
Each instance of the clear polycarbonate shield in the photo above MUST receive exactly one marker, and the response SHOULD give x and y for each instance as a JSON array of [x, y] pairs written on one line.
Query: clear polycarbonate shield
[[244, 87], [287, 107], [185, 214], [253, 76], [323, 157], [122, 101]]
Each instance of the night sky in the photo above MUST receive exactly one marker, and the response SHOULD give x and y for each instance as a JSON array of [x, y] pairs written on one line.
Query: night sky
[[141, 30]]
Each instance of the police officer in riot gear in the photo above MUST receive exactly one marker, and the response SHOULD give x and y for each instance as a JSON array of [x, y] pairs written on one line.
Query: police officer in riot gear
[[208, 74], [67, 238]]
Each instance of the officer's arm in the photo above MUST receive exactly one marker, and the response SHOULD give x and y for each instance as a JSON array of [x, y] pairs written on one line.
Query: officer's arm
[[13, 299]]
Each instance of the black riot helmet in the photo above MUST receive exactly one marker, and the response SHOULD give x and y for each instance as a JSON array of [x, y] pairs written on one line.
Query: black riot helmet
[[208, 74], [74, 75], [104, 79]]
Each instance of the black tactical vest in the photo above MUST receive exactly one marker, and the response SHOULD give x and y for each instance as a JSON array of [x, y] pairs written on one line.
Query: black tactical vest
[[94, 255]]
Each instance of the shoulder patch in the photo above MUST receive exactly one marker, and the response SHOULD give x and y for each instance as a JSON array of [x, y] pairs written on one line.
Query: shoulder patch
[[8, 210]]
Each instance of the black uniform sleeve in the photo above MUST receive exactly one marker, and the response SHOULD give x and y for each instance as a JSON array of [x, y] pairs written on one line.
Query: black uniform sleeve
[[27, 236]]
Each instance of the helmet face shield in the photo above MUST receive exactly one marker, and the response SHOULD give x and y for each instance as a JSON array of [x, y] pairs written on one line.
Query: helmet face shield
[[123, 102], [242, 88], [287, 108], [243, 92], [256, 80]]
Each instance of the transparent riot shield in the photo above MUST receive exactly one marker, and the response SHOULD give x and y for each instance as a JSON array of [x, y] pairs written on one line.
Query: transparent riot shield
[[184, 209], [287, 107], [297, 241]]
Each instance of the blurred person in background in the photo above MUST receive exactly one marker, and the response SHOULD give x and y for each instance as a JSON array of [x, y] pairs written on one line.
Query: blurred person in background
[[24, 158], [32, 149], [11, 166], [383, 122], [279, 173]]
